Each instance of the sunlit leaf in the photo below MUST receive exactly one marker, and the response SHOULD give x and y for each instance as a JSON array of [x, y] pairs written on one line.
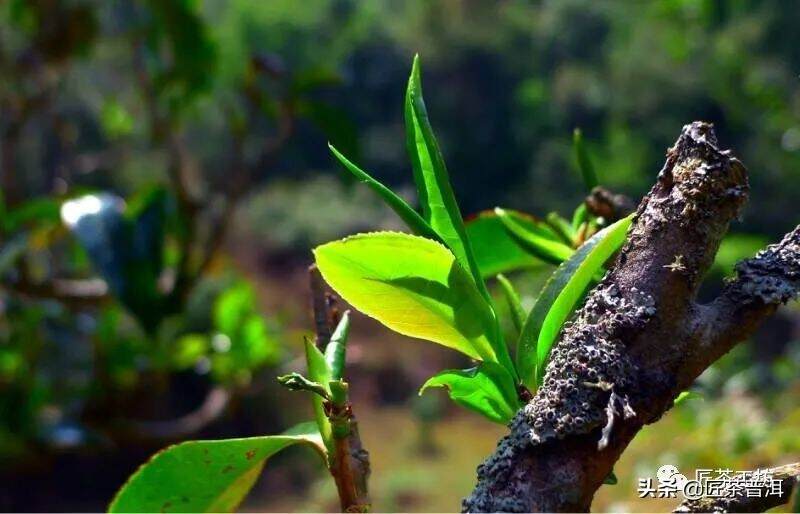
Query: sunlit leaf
[[412, 219], [439, 207], [536, 242], [206, 476], [487, 389], [496, 250], [687, 395], [414, 286], [559, 298]]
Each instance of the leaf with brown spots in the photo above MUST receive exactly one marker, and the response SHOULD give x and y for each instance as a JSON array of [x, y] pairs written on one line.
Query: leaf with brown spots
[[206, 476]]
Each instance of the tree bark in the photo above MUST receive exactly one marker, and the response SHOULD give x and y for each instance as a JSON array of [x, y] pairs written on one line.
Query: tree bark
[[738, 500], [640, 338]]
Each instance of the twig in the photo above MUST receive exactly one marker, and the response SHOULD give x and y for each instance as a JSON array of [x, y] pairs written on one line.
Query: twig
[[349, 466]]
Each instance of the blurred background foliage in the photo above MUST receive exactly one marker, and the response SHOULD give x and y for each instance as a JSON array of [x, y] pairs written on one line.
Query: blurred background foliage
[[165, 172]]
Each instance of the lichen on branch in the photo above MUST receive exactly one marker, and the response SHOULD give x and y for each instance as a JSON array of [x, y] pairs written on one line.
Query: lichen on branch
[[640, 337]]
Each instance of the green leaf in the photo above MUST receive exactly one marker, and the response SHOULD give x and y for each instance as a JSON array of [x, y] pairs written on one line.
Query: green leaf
[[588, 173], [687, 395], [412, 285], [297, 382], [439, 207], [39, 211], [487, 389], [319, 372], [559, 297], [611, 479], [562, 227], [335, 352], [514, 304], [206, 476], [538, 243], [411, 217], [496, 250], [580, 216]]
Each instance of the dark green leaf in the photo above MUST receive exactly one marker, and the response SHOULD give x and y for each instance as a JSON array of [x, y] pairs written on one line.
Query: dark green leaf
[[496, 250], [562, 227], [411, 217], [513, 301], [585, 166], [439, 207], [487, 389], [559, 297], [206, 476], [611, 479], [536, 242]]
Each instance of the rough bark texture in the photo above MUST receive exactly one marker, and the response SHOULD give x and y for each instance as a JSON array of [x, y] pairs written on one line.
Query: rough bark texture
[[640, 338], [740, 501]]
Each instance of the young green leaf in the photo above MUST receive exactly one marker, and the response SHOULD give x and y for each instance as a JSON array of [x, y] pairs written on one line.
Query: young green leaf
[[206, 476], [585, 166], [579, 216], [319, 372], [415, 222], [496, 250], [562, 227], [687, 395], [487, 389], [439, 207], [412, 285], [297, 382], [513, 301], [538, 244], [559, 297], [336, 350]]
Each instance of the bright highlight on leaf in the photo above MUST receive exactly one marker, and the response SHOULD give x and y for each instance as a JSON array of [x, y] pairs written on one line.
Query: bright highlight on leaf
[[487, 389], [559, 297], [543, 244], [412, 285], [206, 476]]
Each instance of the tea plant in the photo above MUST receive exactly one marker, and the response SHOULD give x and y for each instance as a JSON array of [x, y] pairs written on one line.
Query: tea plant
[[430, 285]]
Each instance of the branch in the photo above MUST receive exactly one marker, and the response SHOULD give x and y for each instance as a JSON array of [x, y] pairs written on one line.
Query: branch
[[734, 499], [349, 464], [641, 333]]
